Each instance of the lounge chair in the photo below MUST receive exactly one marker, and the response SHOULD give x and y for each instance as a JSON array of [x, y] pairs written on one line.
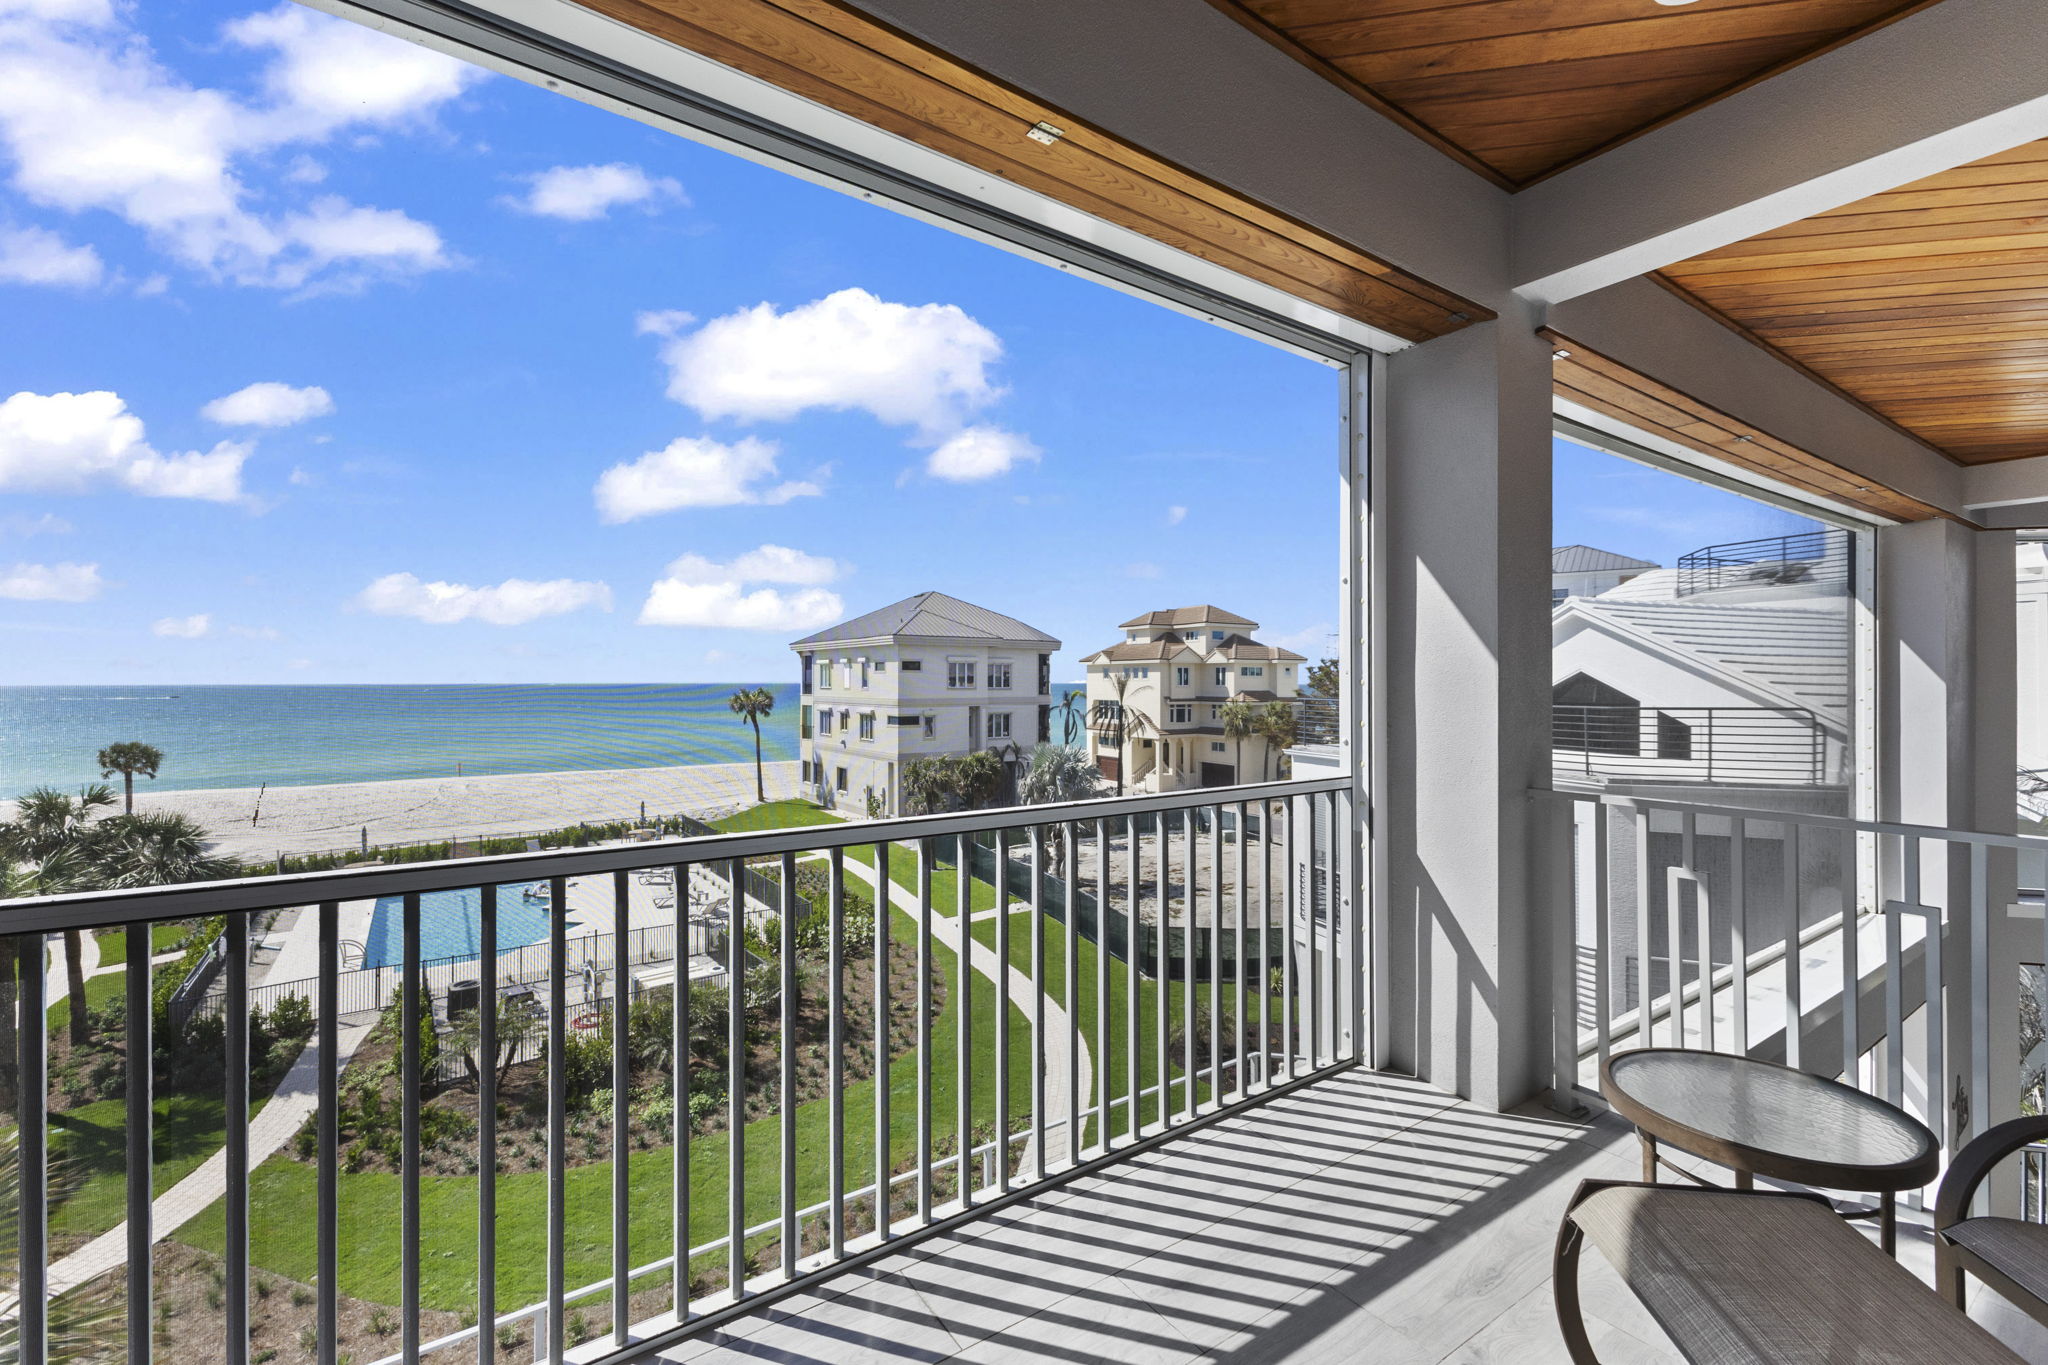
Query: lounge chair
[[1758, 1277], [2009, 1255]]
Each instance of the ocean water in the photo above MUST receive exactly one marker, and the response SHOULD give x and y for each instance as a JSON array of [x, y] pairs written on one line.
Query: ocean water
[[301, 736]]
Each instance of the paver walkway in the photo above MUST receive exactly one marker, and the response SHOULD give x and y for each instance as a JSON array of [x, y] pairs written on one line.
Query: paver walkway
[[296, 1096]]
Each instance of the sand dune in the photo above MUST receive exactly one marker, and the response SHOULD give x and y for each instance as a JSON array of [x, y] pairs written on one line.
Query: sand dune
[[249, 822]]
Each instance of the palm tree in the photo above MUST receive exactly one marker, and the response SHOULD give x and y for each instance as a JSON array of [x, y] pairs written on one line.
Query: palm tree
[[1276, 722], [129, 758], [1119, 725], [49, 831], [1058, 774], [1072, 712], [1240, 723], [753, 703]]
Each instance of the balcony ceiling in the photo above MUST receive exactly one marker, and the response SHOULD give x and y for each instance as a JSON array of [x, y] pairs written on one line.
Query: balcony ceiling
[[1926, 303], [1518, 89]]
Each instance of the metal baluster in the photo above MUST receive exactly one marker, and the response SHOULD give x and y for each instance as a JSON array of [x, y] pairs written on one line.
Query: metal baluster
[[558, 1116], [1264, 989], [1073, 969], [924, 1031], [1243, 1000], [1738, 929], [736, 1083], [679, 1088], [1102, 1035], [1313, 891], [1603, 978], [1894, 972], [486, 1122], [327, 1138], [622, 1090], [1674, 925], [785, 1100], [1646, 958], [885, 1155], [963, 1049], [236, 1145], [1852, 1032], [33, 1140], [1188, 880], [409, 1133], [1038, 995], [1291, 901], [1979, 985], [1934, 1013], [1794, 1013], [1215, 955], [835, 1044], [1002, 1002], [140, 1124], [1133, 950], [1162, 969]]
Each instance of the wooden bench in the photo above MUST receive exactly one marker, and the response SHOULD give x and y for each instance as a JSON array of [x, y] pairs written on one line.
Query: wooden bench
[[1740, 1277]]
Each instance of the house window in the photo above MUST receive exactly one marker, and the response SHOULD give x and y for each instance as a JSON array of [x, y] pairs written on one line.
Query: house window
[[1588, 715], [806, 770], [1253, 672], [1674, 737], [1216, 635], [1558, 595], [867, 725], [825, 721], [999, 725], [1180, 676], [913, 665], [863, 672], [1216, 746], [1180, 715], [999, 676], [807, 723], [881, 665], [931, 727], [839, 781], [960, 674], [1223, 677], [825, 674], [1215, 713]]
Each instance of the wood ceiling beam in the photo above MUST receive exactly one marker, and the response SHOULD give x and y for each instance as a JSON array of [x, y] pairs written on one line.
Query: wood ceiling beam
[[1946, 85]]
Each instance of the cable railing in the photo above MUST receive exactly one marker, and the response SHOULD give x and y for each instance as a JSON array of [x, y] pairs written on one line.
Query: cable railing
[[1804, 559], [1786, 745], [979, 1005], [1866, 951]]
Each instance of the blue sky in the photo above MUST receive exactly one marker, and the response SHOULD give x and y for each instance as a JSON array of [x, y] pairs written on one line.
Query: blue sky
[[1615, 504], [330, 360]]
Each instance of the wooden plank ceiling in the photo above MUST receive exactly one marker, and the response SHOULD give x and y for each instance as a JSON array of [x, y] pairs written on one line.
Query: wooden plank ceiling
[[1595, 381], [1518, 89], [1929, 303], [831, 53]]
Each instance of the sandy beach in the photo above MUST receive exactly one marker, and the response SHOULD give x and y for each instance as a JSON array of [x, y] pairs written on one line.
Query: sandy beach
[[253, 822]]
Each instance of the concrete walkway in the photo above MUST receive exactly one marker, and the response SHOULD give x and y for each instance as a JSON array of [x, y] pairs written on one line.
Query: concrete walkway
[[1023, 993], [295, 1097], [56, 982]]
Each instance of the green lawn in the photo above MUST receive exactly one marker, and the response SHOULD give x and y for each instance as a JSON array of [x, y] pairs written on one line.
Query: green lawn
[[283, 1189], [163, 938], [776, 815], [188, 1129], [98, 991]]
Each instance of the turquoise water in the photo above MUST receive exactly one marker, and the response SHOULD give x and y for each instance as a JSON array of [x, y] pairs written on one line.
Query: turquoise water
[[451, 925], [299, 736]]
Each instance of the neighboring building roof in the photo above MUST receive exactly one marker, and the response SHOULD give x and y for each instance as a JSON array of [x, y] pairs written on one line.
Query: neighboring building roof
[[1796, 654], [1259, 695], [1586, 559], [1241, 647], [932, 615], [1657, 585], [1188, 616], [1146, 651]]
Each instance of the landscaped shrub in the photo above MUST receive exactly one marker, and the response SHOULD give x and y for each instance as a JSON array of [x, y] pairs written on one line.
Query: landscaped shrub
[[292, 1017]]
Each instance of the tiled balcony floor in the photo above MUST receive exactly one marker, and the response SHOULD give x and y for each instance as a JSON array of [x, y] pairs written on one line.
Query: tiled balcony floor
[[1368, 1218]]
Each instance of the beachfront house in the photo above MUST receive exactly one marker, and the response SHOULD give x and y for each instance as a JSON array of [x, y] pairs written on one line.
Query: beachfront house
[[1156, 698], [1583, 571], [928, 677]]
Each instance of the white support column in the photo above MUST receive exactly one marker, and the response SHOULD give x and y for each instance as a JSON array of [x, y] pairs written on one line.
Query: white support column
[[1465, 522], [1947, 744]]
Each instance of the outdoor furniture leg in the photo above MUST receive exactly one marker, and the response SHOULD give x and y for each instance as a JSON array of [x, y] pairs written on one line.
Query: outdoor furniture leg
[[1564, 1282], [1649, 1157], [1744, 1180], [1888, 1223]]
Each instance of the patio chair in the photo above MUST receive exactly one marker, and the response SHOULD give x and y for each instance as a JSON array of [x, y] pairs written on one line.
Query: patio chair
[[1757, 1277], [2006, 1253]]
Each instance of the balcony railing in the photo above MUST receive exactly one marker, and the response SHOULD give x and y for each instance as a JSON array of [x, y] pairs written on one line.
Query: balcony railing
[[1863, 950], [1773, 745], [1808, 558], [1041, 990]]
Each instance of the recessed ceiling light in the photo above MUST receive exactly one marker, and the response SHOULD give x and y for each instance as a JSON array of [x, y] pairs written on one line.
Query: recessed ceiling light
[[1674, 2]]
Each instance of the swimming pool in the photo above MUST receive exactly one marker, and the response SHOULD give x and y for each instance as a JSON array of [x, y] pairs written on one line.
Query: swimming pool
[[451, 925]]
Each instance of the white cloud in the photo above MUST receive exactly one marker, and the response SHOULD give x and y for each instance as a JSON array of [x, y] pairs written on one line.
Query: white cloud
[[70, 442], [514, 602], [256, 632], [979, 453], [1176, 514], [924, 366], [51, 582], [268, 404], [662, 322], [95, 122], [695, 472], [183, 627], [34, 255], [1316, 641], [695, 591], [579, 194], [1142, 569], [46, 524]]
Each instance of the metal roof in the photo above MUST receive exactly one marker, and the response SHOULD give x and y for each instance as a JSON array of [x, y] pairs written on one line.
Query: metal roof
[[1799, 654], [932, 616], [1189, 616], [1586, 559]]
